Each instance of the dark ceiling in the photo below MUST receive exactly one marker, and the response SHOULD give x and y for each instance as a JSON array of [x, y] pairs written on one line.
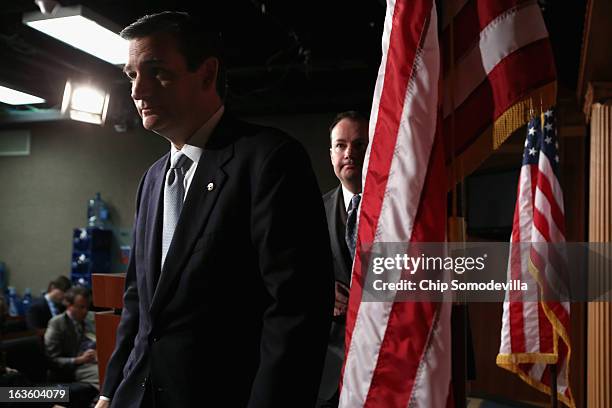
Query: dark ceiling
[[283, 56]]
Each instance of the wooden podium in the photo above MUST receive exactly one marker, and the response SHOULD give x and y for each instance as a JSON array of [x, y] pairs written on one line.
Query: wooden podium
[[107, 293]]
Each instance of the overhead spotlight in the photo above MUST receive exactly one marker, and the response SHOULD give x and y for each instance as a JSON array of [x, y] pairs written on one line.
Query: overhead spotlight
[[14, 97], [85, 103], [83, 29]]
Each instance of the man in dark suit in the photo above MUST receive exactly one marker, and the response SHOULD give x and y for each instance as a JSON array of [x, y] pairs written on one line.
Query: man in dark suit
[[229, 290], [43, 309], [349, 140]]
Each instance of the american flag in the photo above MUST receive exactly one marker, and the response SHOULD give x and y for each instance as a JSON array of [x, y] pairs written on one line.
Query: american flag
[[535, 334], [498, 68], [398, 353]]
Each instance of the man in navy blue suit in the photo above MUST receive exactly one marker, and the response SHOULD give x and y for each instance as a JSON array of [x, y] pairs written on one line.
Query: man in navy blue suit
[[229, 290], [43, 309]]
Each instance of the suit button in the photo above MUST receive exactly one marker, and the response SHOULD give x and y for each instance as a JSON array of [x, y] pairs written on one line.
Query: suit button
[[159, 389], [155, 339]]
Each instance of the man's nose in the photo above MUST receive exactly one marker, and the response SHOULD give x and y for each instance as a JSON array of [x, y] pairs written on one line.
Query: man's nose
[[141, 88], [349, 151]]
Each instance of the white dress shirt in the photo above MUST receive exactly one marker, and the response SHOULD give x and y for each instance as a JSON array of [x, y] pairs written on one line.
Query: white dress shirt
[[194, 148], [52, 306], [347, 196]]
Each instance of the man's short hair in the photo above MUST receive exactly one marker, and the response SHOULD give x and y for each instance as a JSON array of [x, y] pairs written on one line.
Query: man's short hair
[[351, 114], [75, 291], [196, 41], [61, 282]]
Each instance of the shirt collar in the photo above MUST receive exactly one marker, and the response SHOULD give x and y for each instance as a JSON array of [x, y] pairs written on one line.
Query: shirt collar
[[347, 196], [51, 304], [195, 146]]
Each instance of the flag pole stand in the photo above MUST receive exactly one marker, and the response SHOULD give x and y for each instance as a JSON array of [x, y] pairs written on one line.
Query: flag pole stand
[[553, 386]]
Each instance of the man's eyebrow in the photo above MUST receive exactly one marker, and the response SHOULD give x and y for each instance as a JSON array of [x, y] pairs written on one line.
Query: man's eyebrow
[[153, 61]]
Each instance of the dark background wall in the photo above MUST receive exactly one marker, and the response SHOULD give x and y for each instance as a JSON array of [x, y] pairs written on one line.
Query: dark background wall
[[44, 195]]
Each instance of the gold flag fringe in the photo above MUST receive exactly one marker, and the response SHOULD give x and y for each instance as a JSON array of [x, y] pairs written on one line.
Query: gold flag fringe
[[535, 103]]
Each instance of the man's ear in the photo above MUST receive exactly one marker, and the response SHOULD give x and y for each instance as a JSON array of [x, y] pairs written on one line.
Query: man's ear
[[209, 71]]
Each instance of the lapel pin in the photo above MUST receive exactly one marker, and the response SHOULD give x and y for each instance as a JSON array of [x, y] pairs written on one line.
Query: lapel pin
[[210, 186]]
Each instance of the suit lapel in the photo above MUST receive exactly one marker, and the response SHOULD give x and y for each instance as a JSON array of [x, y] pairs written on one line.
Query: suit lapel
[[47, 310], [336, 231], [71, 334], [205, 187]]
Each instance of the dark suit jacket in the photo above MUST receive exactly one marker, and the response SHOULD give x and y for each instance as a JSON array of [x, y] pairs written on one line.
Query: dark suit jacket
[[39, 314], [336, 224], [245, 297]]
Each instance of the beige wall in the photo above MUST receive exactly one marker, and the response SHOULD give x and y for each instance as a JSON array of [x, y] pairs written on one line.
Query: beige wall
[[44, 196]]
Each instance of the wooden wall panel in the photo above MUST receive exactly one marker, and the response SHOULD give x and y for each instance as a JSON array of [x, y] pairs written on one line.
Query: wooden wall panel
[[599, 335]]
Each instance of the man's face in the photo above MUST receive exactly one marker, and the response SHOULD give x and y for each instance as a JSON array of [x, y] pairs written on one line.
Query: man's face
[[78, 310], [56, 295], [349, 140], [166, 94]]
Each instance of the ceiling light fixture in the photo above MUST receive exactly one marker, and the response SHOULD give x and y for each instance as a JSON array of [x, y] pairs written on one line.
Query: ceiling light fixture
[[85, 103], [83, 29], [13, 97]]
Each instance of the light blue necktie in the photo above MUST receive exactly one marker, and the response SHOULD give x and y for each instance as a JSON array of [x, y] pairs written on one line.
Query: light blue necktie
[[174, 195]]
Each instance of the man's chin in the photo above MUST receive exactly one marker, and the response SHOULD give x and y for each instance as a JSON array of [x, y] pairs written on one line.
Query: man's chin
[[351, 173], [352, 179], [151, 123], [157, 127]]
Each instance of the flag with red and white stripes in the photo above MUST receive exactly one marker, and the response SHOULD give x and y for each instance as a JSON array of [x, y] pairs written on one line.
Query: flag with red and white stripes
[[498, 68], [398, 353], [535, 334]]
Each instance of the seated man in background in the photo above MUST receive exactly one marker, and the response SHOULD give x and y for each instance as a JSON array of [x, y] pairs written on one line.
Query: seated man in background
[[43, 309], [71, 352]]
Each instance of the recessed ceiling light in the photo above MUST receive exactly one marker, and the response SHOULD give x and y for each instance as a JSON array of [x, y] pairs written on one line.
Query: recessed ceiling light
[[83, 29], [13, 97]]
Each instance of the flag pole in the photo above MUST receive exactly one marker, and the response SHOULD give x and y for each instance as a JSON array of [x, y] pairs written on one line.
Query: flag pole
[[553, 385], [457, 233], [553, 367]]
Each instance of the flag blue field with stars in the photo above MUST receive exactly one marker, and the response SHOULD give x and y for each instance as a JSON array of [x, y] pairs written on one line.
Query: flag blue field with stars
[[542, 138]]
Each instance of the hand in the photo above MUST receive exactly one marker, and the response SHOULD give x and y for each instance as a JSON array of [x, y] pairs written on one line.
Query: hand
[[87, 357], [102, 404], [342, 295]]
